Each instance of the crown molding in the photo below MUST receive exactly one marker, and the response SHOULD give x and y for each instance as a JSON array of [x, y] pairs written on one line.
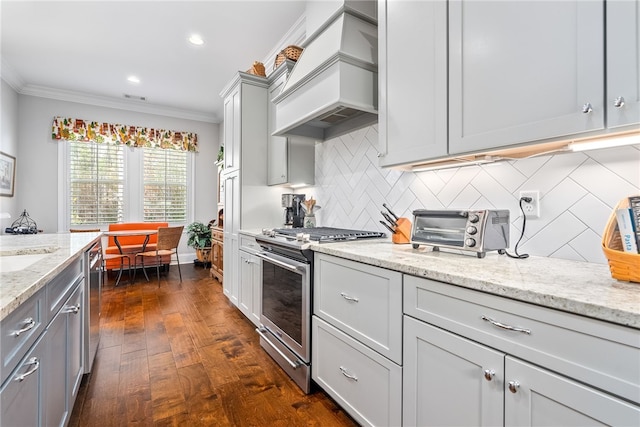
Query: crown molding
[[10, 76], [110, 102]]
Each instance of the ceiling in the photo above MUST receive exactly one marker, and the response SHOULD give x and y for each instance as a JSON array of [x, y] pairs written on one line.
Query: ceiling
[[87, 49]]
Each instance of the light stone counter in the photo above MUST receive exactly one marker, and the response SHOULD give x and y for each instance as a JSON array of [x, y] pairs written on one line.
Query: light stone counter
[[577, 287], [59, 251]]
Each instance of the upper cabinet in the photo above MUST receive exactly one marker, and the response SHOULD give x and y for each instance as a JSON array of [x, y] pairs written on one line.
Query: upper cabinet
[[524, 71], [412, 71], [483, 76], [291, 160], [623, 63]]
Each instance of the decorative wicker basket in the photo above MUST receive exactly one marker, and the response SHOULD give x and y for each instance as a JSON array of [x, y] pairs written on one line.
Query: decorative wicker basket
[[290, 52], [623, 265], [257, 69]]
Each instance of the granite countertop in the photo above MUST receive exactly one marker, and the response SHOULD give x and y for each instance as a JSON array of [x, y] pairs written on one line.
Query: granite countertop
[[576, 287], [59, 250]]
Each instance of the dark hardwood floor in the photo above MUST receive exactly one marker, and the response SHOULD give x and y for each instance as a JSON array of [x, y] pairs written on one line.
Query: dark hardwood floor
[[183, 355]]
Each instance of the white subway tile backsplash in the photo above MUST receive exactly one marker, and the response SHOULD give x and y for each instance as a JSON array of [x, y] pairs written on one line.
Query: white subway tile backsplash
[[577, 192]]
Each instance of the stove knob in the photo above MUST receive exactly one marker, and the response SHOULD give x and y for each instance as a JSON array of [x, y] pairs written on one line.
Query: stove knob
[[470, 242], [471, 230], [473, 218]]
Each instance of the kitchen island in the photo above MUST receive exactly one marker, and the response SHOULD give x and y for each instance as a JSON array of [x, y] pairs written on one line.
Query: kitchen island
[[56, 252]]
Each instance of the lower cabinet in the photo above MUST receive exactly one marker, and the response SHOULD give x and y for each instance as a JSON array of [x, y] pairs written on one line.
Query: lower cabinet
[[217, 256], [367, 385], [250, 286], [43, 385], [471, 358]]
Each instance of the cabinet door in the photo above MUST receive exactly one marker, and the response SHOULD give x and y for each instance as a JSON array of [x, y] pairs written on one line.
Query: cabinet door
[[232, 129], [623, 57], [524, 71], [412, 114], [277, 145], [537, 397], [245, 290], [55, 410], [449, 380], [231, 227], [19, 398], [75, 350]]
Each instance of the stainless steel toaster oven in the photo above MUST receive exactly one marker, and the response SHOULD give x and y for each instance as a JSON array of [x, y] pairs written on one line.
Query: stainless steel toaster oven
[[477, 231]]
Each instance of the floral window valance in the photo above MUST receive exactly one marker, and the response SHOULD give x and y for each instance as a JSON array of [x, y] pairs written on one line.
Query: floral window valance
[[70, 129]]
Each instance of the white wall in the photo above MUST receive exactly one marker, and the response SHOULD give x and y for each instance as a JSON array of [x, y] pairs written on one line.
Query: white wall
[[37, 153], [578, 192], [9, 144]]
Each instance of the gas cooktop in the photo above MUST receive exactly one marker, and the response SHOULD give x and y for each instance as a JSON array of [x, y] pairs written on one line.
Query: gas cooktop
[[328, 234]]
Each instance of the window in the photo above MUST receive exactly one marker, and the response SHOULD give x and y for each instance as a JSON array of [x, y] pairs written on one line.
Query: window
[[96, 183], [165, 185], [110, 183]]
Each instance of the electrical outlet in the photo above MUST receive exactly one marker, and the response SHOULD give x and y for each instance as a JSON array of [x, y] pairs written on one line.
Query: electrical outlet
[[532, 208]]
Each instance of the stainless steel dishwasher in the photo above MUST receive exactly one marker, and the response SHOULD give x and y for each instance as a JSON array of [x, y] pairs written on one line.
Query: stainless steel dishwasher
[[92, 299]]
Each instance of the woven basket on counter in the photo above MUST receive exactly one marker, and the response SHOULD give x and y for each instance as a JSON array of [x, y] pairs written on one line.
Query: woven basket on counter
[[623, 265], [290, 52]]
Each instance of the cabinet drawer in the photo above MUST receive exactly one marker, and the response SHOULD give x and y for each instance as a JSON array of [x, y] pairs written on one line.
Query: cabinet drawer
[[602, 354], [217, 234], [366, 384], [248, 243], [20, 329], [60, 288], [362, 301]]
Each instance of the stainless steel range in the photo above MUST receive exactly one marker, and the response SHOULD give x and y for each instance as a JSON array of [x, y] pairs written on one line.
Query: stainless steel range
[[287, 289]]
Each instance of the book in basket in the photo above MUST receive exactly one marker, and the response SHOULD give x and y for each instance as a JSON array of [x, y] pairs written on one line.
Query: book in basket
[[627, 230]]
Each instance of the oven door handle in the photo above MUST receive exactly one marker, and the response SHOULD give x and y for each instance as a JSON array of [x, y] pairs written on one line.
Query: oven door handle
[[284, 265], [261, 332]]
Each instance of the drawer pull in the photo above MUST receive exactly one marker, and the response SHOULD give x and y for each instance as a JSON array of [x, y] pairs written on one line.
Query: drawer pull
[[507, 327], [348, 298], [514, 386], [36, 364], [75, 309], [489, 374], [347, 374], [29, 323]]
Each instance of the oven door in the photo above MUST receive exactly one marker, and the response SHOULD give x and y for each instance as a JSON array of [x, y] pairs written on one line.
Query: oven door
[[286, 301], [446, 228]]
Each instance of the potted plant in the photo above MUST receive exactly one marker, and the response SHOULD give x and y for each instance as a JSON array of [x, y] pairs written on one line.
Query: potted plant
[[199, 238]]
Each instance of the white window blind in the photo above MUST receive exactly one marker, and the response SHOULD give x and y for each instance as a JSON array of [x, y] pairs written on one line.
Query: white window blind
[[165, 185], [96, 186]]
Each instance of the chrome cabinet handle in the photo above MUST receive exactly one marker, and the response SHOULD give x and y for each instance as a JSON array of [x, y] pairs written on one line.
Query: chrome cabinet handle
[[347, 374], [348, 298], [507, 327], [36, 364], [514, 386], [74, 309], [29, 324], [489, 374], [587, 108], [618, 102]]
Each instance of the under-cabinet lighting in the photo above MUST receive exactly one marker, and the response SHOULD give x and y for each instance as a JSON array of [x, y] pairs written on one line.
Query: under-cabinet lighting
[[456, 163], [133, 79], [300, 185], [196, 40], [616, 141]]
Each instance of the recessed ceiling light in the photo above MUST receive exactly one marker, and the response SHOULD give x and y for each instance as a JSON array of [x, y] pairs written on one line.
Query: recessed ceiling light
[[133, 79], [196, 39]]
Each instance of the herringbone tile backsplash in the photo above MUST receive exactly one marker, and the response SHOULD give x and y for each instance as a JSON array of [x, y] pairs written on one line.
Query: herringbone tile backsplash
[[577, 192]]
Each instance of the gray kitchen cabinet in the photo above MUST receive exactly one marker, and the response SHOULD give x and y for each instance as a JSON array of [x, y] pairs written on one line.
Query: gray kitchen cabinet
[[249, 202], [524, 71], [42, 388], [20, 395], [357, 338], [498, 357], [623, 57], [291, 160], [250, 290], [412, 76]]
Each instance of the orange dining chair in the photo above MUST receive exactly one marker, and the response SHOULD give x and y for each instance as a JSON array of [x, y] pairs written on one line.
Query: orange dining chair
[[168, 239]]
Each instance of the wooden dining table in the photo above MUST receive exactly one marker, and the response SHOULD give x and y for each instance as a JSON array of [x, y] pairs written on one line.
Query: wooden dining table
[[121, 233]]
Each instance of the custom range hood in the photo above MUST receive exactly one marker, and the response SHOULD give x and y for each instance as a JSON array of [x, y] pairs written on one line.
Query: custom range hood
[[333, 87]]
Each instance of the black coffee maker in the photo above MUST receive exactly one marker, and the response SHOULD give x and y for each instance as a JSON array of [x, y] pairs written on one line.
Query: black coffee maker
[[293, 214]]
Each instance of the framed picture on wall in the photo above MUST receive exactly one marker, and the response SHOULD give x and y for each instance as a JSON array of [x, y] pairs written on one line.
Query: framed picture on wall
[[7, 174]]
